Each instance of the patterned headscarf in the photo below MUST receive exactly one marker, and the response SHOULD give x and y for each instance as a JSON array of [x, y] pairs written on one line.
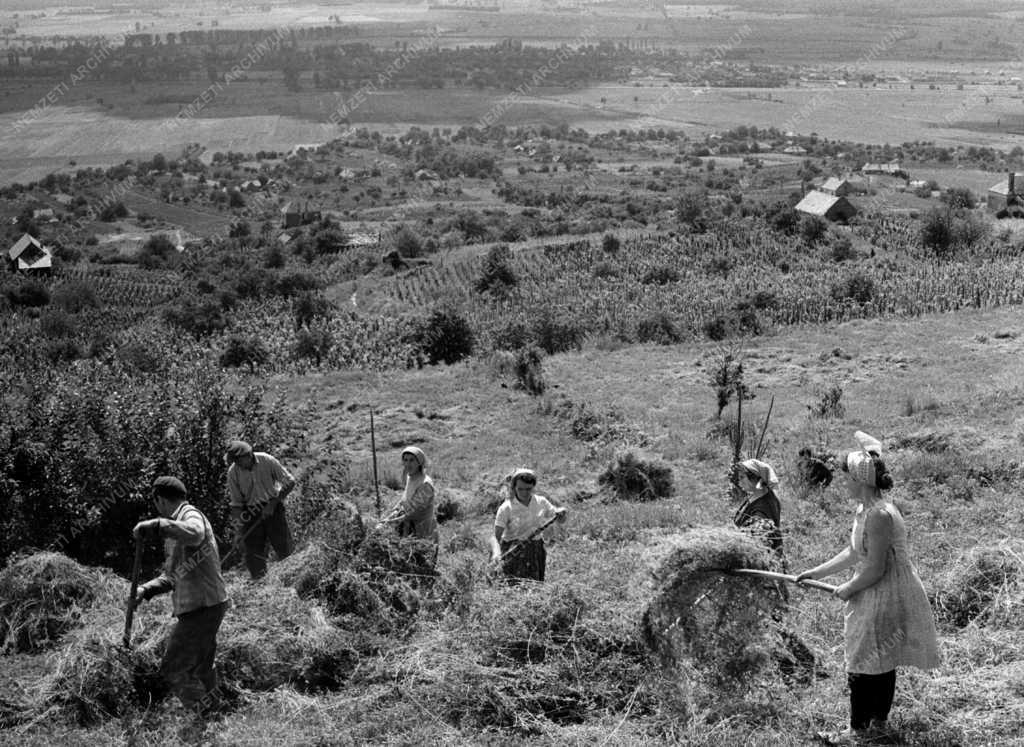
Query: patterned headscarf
[[767, 479], [861, 464]]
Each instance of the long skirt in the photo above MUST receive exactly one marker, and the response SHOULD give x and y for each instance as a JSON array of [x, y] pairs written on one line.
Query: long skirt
[[528, 560]]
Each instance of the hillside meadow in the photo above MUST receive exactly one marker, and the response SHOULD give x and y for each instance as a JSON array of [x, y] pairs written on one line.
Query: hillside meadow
[[942, 391]]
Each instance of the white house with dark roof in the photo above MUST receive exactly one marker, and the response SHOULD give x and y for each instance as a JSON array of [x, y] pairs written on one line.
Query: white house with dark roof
[[28, 255]]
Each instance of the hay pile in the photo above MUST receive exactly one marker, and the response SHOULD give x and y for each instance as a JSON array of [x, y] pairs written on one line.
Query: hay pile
[[43, 596], [524, 657], [984, 587], [720, 626], [270, 637]]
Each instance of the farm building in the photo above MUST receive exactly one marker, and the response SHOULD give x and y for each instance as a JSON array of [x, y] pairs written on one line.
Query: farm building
[[28, 255], [893, 168], [295, 216], [842, 187], [795, 150], [1007, 197], [824, 205]]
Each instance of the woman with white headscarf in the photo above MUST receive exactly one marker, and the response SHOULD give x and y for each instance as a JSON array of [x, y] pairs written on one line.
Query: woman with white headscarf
[[887, 621], [516, 543], [760, 511], [416, 514]]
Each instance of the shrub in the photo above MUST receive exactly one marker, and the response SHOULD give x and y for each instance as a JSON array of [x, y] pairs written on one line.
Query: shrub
[[829, 403], [726, 378], [444, 337], [57, 324], [555, 335], [243, 351], [158, 251], [610, 243], [75, 296], [200, 317], [309, 307], [658, 327], [661, 275], [112, 212], [513, 334], [813, 228], [857, 287], [633, 478], [30, 293], [496, 275], [529, 370], [313, 343], [842, 249]]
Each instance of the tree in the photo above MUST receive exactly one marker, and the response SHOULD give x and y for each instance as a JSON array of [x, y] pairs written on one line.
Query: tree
[[244, 351], [497, 275], [937, 231], [690, 207]]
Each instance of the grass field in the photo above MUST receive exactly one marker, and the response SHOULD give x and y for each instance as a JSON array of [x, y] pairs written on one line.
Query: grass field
[[947, 379]]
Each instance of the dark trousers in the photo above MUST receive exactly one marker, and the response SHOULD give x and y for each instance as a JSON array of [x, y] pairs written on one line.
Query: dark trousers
[[870, 697], [528, 561], [188, 663], [260, 531]]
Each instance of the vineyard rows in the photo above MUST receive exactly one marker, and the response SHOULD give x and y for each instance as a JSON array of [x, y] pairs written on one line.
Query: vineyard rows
[[113, 290], [696, 279]]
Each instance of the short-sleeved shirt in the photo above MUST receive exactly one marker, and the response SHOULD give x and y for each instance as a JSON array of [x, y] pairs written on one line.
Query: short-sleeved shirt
[[192, 567], [260, 484], [519, 521]]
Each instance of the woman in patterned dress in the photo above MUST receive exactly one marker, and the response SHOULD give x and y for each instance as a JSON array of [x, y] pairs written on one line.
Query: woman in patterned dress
[[887, 621], [416, 514]]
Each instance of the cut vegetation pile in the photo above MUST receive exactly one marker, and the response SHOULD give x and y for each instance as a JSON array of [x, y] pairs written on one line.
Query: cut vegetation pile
[[985, 587], [43, 596], [705, 620]]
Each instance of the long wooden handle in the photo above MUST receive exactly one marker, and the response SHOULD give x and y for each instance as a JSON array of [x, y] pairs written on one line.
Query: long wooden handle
[[533, 535], [784, 577], [129, 613]]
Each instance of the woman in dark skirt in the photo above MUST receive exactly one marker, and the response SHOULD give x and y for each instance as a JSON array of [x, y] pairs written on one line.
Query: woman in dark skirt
[[761, 511], [523, 513]]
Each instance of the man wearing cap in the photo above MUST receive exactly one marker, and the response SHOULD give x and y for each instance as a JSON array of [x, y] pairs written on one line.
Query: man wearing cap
[[198, 597], [258, 485]]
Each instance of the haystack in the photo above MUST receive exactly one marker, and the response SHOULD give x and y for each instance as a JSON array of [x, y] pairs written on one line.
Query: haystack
[[42, 597], [984, 587], [270, 637], [703, 618]]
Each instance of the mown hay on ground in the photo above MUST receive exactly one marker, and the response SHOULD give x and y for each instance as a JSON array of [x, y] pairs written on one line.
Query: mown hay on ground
[[270, 637], [985, 586], [42, 596]]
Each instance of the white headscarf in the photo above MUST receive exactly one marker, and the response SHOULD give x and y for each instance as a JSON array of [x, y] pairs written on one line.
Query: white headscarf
[[413, 482], [767, 479], [860, 464]]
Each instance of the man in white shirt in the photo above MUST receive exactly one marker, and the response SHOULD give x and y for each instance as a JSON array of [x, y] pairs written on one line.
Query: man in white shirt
[[258, 485]]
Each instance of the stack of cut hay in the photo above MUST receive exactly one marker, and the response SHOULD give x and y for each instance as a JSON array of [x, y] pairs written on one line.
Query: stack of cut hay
[[984, 587], [43, 596], [720, 625], [525, 656], [270, 637]]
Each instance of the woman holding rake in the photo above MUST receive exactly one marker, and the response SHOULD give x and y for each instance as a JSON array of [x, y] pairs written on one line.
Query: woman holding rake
[[888, 620], [517, 544]]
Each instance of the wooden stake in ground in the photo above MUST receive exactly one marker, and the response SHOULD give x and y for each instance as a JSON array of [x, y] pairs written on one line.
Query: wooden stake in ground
[[129, 612], [373, 450]]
